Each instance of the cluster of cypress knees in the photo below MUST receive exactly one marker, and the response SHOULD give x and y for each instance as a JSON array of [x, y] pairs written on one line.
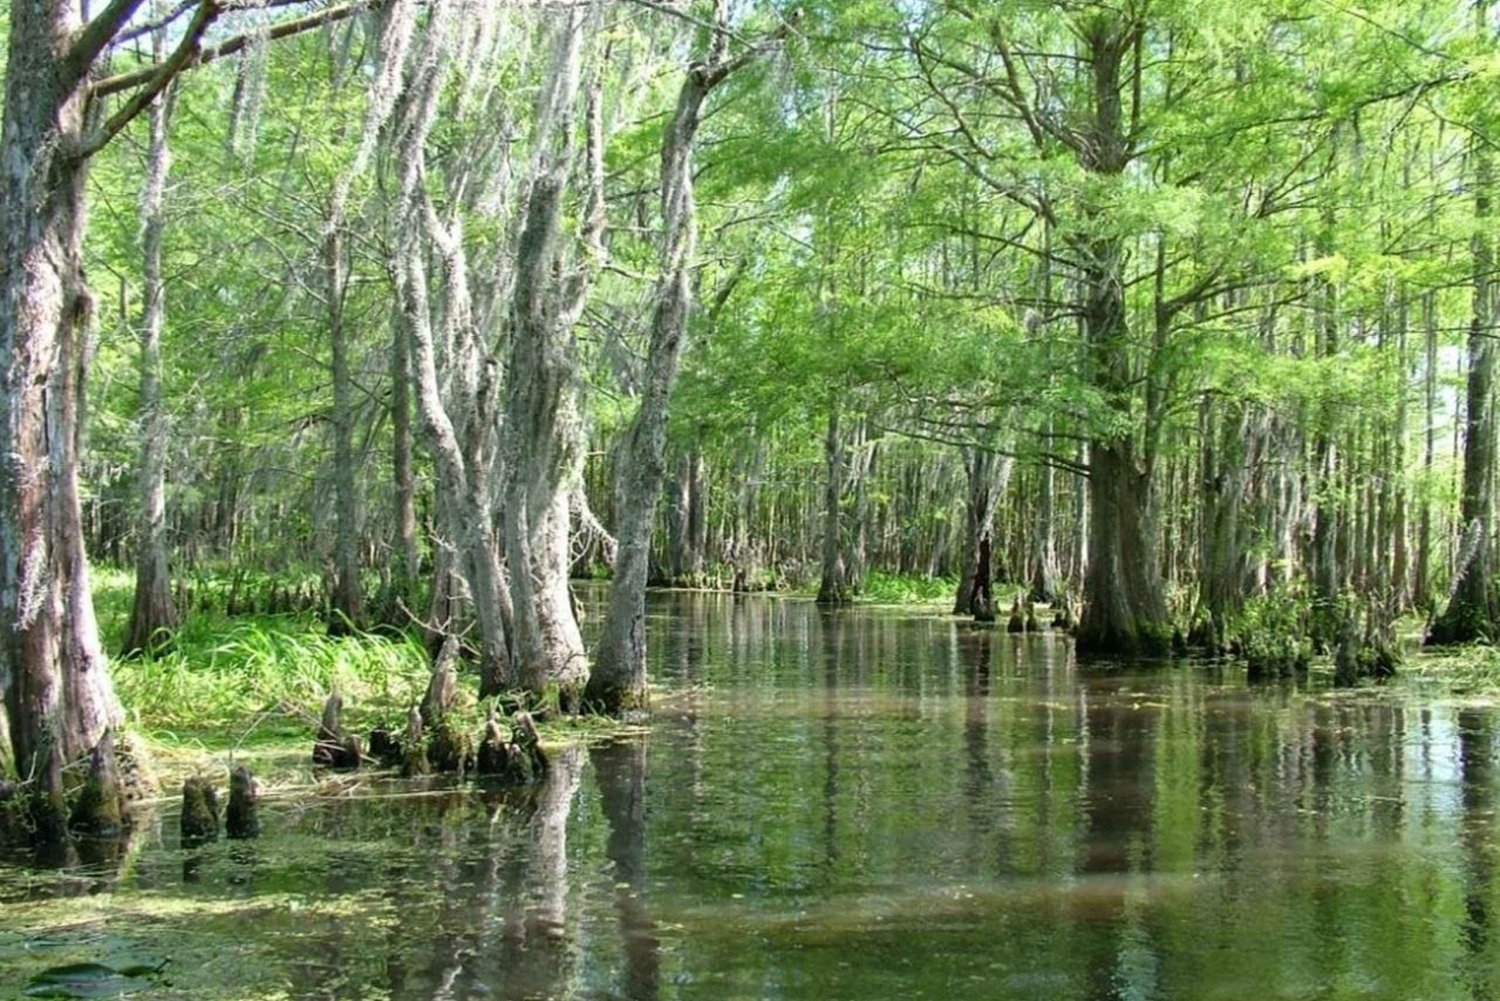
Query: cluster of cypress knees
[[200, 809], [432, 743]]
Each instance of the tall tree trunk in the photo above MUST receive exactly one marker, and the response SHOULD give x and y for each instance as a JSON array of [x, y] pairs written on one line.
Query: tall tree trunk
[[1328, 512], [1422, 584], [153, 614], [465, 510], [409, 559], [1125, 609], [856, 541], [832, 587], [987, 476], [618, 682], [59, 697], [543, 451], [695, 543], [347, 613], [1472, 608], [1222, 561]]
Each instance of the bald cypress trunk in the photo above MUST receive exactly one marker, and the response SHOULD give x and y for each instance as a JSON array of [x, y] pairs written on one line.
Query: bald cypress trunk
[[347, 611], [409, 560], [543, 448], [833, 586], [153, 615], [59, 698], [1125, 607], [1472, 612], [618, 680]]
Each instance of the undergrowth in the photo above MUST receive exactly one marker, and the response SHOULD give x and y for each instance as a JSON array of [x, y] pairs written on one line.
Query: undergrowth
[[906, 589]]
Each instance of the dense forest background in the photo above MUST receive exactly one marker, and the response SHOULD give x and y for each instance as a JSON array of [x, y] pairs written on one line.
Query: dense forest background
[[1177, 316]]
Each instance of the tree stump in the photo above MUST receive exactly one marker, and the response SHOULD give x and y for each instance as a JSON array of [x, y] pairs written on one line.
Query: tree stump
[[414, 748], [1017, 623], [242, 819], [200, 813], [385, 747], [517, 761], [442, 687], [330, 741], [334, 748], [449, 748]]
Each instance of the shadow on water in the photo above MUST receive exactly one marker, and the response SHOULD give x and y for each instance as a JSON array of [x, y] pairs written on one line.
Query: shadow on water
[[863, 803]]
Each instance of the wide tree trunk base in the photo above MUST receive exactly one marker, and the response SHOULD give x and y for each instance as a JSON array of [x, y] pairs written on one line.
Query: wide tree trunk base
[[1463, 621], [609, 699], [1142, 641]]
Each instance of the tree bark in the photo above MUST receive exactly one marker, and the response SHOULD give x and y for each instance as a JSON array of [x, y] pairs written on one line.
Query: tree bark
[[1422, 575], [347, 611], [1471, 613], [618, 682], [1124, 606], [59, 697], [543, 451], [987, 477], [832, 588], [153, 614], [409, 559], [457, 440]]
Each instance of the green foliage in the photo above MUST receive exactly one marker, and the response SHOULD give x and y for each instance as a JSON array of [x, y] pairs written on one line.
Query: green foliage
[[907, 589], [1272, 634]]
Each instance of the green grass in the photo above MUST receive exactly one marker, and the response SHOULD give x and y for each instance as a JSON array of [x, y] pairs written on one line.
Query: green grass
[[221, 672], [252, 687], [907, 589]]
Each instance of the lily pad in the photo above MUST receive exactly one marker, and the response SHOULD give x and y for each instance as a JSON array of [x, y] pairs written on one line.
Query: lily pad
[[90, 980]]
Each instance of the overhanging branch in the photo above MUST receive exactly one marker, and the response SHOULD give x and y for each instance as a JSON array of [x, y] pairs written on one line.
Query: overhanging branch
[[137, 77]]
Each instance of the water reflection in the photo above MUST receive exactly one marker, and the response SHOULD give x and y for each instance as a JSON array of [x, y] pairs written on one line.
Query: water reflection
[[620, 772], [870, 804]]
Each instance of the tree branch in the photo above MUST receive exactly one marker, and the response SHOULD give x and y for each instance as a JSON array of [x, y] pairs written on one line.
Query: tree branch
[[161, 75], [228, 47], [97, 34]]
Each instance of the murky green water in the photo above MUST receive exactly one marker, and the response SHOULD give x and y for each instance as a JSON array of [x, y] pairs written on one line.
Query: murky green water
[[868, 804]]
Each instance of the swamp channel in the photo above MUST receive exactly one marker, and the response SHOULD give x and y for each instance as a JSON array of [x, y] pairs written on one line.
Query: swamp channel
[[864, 803]]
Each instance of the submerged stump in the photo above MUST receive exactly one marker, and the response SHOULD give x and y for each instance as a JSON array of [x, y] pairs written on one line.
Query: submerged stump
[[334, 748], [242, 818], [200, 812], [450, 748], [414, 748], [385, 747], [517, 760], [1017, 623]]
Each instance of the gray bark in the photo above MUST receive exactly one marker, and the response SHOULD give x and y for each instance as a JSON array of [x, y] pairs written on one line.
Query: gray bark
[[409, 558], [153, 614], [471, 547], [543, 447], [832, 587], [59, 697], [987, 477], [347, 612], [619, 682]]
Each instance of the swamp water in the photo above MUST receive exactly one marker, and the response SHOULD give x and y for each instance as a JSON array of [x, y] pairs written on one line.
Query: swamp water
[[864, 804]]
